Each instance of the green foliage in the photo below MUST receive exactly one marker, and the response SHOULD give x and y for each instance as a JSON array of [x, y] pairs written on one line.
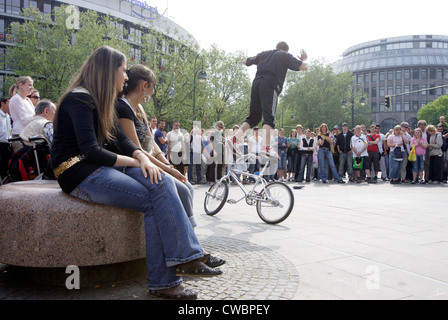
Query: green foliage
[[434, 110], [314, 97]]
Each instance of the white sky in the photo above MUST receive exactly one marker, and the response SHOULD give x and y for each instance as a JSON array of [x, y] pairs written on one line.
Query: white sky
[[323, 28]]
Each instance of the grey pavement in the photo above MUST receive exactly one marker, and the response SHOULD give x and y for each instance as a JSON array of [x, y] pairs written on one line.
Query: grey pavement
[[341, 242], [351, 241]]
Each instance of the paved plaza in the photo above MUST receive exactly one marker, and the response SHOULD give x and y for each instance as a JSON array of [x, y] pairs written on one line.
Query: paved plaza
[[341, 242]]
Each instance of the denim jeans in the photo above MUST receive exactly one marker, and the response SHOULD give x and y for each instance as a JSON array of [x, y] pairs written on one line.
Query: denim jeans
[[186, 193], [323, 173], [307, 160], [395, 166], [346, 163], [170, 239], [195, 160]]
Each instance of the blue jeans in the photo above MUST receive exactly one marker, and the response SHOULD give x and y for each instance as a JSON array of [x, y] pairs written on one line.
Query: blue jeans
[[323, 173], [170, 239], [395, 166], [418, 165], [195, 160], [307, 160]]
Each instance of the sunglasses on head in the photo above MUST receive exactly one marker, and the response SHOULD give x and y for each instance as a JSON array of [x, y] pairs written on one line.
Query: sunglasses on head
[[34, 97]]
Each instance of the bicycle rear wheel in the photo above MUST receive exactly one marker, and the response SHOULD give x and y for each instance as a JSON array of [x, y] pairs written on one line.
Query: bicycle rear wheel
[[277, 203], [216, 197]]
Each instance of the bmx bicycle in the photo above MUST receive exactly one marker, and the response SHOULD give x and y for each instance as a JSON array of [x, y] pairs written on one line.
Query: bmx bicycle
[[274, 201]]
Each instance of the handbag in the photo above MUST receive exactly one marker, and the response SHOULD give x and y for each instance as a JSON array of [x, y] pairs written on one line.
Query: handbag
[[412, 155], [398, 156], [358, 163]]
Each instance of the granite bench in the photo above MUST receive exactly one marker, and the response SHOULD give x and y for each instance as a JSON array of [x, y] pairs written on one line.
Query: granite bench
[[41, 227]]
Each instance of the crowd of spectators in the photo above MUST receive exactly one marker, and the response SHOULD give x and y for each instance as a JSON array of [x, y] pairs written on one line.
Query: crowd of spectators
[[360, 154]]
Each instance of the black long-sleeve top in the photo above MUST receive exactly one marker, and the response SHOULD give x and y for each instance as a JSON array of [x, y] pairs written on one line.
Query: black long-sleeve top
[[76, 133], [273, 65]]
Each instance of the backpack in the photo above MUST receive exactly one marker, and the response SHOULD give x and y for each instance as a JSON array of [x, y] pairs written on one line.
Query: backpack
[[23, 166]]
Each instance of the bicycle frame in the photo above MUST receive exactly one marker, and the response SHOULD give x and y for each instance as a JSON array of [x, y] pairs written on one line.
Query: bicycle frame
[[232, 172]]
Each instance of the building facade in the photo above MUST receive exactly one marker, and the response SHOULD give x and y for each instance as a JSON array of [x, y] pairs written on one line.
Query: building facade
[[136, 17], [413, 70]]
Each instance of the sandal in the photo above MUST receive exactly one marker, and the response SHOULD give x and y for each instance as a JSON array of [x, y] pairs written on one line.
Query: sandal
[[212, 261], [202, 271], [185, 294]]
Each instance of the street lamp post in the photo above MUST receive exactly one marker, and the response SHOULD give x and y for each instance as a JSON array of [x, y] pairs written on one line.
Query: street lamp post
[[362, 101], [202, 77]]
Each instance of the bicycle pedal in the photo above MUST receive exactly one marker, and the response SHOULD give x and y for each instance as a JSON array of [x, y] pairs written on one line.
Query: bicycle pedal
[[231, 201]]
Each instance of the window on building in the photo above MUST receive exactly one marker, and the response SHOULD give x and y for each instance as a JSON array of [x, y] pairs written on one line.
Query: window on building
[[390, 75], [382, 76], [390, 90], [398, 106], [398, 75], [12, 6], [382, 93], [439, 73], [432, 73], [424, 92], [424, 74], [367, 78], [398, 90], [415, 74], [407, 74], [407, 106], [374, 76]]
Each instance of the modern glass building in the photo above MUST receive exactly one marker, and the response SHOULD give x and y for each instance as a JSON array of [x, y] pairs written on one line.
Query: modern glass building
[[136, 17], [412, 69]]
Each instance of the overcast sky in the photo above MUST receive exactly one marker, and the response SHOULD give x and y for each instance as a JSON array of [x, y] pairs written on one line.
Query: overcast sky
[[324, 28]]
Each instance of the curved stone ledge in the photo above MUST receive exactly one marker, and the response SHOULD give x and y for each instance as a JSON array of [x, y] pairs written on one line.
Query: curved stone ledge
[[42, 227]]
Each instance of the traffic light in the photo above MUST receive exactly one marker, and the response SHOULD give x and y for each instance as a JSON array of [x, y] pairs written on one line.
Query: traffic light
[[387, 103]]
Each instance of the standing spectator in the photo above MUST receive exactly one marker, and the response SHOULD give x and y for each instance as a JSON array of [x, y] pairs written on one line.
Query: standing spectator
[[307, 147], [407, 150], [21, 108], [42, 124], [325, 152], [153, 125], [395, 140], [292, 152], [5, 134], [335, 132], [382, 147], [282, 153], [195, 155], [176, 147], [160, 136], [359, 145], [373, 140], [218, 146], [345, 152], [300, 136], [34, 97], [254, 141], [444, 159], [435, 153], [421, 124], [421, 145]]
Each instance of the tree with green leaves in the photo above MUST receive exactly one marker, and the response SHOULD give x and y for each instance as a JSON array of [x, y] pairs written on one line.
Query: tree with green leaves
[[51, 53], [434, 110], [314, 97]]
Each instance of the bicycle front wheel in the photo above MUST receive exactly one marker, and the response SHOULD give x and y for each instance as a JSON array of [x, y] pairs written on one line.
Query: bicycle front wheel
[[216, 197], [276, 204]]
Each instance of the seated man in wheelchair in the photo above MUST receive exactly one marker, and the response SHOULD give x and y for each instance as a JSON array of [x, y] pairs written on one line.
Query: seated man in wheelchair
[[41, 125]]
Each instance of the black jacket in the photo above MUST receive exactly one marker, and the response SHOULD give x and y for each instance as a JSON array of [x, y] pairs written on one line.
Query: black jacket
[[344, 143]]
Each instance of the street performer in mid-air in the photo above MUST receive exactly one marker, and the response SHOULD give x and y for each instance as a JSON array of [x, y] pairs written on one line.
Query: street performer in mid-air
[[272, 66]]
